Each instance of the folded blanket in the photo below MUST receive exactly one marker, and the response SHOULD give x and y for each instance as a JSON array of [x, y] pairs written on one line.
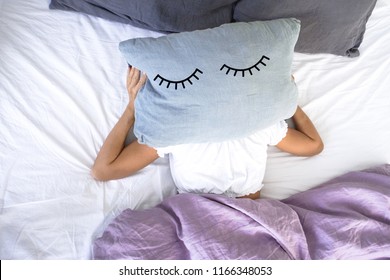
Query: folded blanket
[[345, 218]]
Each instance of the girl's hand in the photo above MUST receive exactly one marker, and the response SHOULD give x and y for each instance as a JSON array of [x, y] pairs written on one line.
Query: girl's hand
[[134, 82]]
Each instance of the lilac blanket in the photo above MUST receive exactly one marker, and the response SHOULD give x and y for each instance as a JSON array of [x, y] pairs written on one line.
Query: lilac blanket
[[345, 218]]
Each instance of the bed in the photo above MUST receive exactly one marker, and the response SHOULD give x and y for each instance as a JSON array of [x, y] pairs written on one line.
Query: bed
[[62, 86]]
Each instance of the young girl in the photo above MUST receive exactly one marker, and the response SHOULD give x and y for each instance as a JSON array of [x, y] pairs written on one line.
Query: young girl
[[234, 167]]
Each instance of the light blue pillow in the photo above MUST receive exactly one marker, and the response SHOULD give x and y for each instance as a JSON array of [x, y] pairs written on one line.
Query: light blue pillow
[[214, 85]]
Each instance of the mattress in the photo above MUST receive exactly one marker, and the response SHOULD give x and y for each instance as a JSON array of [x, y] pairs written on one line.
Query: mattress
[[62, 89]]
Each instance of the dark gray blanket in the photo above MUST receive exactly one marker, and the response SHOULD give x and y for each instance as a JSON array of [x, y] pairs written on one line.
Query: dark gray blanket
[[345, 218]]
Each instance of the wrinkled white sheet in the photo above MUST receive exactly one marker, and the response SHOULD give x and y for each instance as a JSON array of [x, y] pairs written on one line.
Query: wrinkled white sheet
[[62, 90]]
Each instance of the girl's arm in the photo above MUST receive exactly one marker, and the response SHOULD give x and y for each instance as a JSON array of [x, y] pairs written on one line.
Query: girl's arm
[[304, 140], [115, 161]]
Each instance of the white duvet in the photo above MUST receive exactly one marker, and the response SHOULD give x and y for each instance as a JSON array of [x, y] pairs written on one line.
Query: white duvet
[[62, 89]]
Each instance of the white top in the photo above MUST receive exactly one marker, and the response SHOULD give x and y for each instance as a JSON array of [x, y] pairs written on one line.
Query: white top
[[234, 168]]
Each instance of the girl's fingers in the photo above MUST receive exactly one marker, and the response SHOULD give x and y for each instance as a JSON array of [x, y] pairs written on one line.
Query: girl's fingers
[[130, 73], [141, 82], [134, 77], [135, 80]]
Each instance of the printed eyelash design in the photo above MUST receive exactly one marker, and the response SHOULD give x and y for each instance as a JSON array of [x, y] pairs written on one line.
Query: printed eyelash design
[[182, 82], [249, 69]]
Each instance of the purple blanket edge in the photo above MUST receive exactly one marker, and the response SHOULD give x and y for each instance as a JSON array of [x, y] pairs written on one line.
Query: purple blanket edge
[[345, 218]]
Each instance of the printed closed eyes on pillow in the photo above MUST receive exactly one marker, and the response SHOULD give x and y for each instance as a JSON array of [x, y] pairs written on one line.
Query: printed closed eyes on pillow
[[243, 71], [195, 74], [214, 85], [182, 82]]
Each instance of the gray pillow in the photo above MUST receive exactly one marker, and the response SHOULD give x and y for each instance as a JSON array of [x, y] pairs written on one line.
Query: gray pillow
[[158, 15], [214, 85], [328, 26]]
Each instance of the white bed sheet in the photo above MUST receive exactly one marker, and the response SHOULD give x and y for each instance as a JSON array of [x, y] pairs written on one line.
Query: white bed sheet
[[62, 90]]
